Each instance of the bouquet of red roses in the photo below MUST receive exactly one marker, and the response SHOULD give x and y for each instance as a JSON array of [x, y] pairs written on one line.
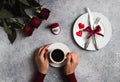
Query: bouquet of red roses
[[12, 12]]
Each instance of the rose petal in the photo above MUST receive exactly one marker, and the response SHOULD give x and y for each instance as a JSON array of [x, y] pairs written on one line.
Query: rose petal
[[44, 14], [35, 22], [28, 30]]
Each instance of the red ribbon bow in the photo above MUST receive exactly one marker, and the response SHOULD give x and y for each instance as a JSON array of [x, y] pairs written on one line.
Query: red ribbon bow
[[92, 32]]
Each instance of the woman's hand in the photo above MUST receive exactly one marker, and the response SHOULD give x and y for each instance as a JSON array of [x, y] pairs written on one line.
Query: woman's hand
[[41, 59], [72, 62]]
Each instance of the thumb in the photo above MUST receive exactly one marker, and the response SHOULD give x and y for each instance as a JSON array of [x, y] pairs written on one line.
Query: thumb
[[68, 58]]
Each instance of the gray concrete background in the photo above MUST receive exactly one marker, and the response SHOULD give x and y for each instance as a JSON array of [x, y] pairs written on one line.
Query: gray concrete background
[[17, 60]]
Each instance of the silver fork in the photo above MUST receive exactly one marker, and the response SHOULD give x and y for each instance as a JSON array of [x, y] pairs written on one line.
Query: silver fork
[[94, 26], [94, 39]]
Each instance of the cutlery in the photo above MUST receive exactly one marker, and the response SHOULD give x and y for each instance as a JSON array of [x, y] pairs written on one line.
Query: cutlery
[[92, 25], [90, 20], [94, 39]]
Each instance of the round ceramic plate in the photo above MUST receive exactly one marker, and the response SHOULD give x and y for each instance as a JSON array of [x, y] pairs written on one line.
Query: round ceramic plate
[[106, 30], [62, 47]]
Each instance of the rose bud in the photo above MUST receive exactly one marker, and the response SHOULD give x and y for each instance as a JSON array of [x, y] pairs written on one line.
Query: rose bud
[[44, 14], [28, 30], [55, 28], [35, 22]]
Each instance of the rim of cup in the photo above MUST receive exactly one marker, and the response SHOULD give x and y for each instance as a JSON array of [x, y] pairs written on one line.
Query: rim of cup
[[53, 61]]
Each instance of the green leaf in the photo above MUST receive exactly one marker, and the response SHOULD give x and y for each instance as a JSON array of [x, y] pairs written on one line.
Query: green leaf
[[1, 4], [33, 3], [11, 2], [5, 14], [25, 2], [12, 36], [10, 32], [6, 28], [17, 25], [1, 1]]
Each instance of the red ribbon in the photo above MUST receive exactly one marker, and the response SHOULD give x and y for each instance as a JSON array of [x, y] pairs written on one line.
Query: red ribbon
[[92, 32]]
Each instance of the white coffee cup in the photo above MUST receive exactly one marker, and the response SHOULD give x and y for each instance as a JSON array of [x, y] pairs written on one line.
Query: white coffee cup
[[64, 48], [57, 56]]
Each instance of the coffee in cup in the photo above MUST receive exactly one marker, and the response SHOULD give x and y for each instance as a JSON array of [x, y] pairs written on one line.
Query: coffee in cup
[[57, 56]]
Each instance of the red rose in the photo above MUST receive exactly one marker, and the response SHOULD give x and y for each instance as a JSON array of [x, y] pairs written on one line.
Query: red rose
[[28, 30], [35, 22], [44, 14], [55, 25]]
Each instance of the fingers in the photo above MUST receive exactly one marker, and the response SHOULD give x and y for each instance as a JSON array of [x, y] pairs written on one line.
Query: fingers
[[37, 54], [46, 54], [68, 58], [40, 51], [43, 51], [72, 58], [75, 57]]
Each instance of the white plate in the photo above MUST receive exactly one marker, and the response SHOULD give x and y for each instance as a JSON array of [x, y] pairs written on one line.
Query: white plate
[[101, 41], [62, 47]]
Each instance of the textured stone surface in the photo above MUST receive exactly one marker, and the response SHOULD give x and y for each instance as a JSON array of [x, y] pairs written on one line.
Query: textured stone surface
[[17, 60]]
